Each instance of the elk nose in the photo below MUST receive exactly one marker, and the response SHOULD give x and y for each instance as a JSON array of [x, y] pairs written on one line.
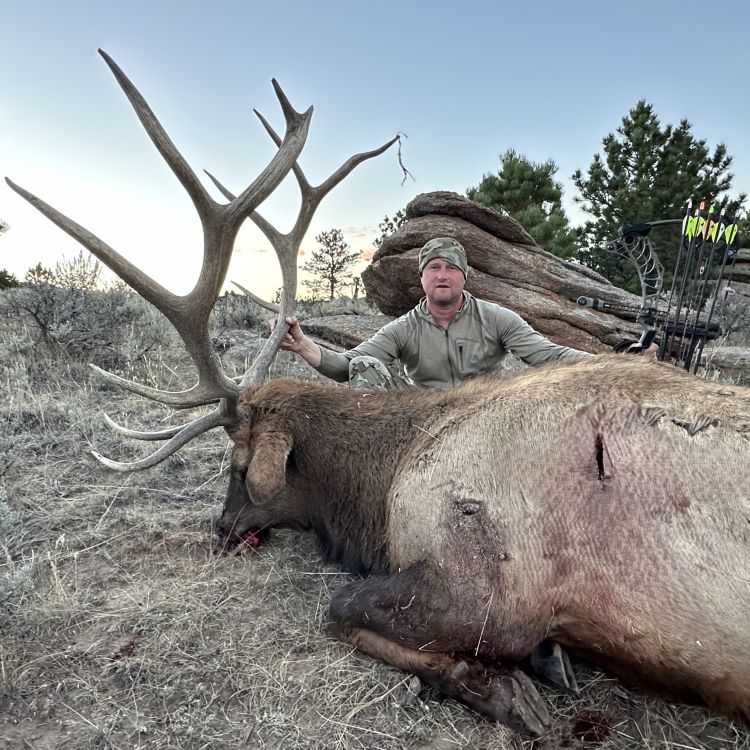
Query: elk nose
[[220, 529]]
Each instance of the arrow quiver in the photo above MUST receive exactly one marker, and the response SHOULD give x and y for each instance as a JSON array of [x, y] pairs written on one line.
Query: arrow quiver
[[682, 321]]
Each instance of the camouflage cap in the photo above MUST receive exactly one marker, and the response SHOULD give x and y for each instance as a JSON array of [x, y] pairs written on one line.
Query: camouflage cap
[[446, 248]]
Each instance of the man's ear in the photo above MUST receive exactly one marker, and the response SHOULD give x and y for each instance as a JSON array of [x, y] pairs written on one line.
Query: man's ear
[[266, 473]]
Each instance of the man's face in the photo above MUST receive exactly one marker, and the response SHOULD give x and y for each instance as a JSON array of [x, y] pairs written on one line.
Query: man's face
[[442, 282]]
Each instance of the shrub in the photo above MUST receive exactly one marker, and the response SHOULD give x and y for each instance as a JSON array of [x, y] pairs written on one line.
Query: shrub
[[107, 327], [338, 306], [233, 310], [7, 279]]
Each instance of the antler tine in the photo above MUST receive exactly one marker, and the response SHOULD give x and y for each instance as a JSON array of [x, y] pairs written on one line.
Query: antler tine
[[297, 128], [222, 416], [207, 391], [298, 173], [160, 139], [327, 185], [258, 301], [297, 125], [129, 273], [165, 434]]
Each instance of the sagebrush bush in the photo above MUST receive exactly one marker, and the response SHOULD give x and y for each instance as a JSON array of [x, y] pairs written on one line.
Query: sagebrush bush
[[234, 310], [112, 328]]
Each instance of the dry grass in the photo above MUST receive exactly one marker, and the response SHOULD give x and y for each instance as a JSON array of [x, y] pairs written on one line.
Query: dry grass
[[122, 629]]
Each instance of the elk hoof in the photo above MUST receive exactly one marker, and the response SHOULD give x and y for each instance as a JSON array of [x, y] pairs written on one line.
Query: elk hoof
[[550, 663], [508, 697], [518, 704]]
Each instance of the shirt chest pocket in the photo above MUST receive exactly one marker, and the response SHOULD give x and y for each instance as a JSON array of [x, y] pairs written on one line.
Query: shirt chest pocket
[[469, 357]]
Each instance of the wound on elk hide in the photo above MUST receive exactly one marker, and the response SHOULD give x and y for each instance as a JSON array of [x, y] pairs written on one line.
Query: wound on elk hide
[[468, 506], [604, 466]]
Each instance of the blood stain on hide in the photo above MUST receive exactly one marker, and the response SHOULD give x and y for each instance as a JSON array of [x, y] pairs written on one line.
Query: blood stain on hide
[[681, 502]]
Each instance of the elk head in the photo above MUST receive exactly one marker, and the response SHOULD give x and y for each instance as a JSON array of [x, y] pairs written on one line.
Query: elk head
[[257, 498], [189, 314]]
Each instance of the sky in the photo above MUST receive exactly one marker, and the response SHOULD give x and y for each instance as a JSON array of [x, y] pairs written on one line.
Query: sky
[[464, 82]]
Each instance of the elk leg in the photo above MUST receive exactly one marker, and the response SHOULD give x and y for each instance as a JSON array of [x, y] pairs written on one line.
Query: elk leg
[[390, 618], [505, 695]]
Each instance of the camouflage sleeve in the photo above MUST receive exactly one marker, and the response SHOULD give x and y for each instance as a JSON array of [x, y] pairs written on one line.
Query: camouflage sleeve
[[519, 338], [385, 345]]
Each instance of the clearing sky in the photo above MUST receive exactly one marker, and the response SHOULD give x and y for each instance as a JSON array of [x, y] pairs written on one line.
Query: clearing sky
[[464, 83]]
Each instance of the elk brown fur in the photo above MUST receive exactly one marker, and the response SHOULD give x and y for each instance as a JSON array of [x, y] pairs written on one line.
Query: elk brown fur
[[604, 504]]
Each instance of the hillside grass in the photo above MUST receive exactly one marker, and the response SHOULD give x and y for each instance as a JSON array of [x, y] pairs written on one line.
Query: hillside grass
[[123, 628]]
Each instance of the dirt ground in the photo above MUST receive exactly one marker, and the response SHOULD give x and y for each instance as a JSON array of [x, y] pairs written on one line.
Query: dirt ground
[[122, 628]]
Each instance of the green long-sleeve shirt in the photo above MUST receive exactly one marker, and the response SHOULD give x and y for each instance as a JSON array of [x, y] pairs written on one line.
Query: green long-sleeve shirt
[[475, 342]]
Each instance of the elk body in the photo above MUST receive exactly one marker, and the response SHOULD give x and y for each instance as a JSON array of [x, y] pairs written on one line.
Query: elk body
[[602, 504]]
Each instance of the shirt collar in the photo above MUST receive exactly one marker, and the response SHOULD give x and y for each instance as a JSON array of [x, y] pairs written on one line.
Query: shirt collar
[[425, 313]]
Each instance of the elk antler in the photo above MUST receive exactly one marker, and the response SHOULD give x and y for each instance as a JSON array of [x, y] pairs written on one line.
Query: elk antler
[[287, 245], [189, 314]]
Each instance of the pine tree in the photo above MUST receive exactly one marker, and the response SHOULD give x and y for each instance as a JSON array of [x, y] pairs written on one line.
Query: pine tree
[[40, 275], [646, 173], [389, 226], [330, 265], [527, 191], [7, 279]]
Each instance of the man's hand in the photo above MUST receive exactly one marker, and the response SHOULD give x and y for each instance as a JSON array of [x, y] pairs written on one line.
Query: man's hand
[[294, 336], [296, 341]]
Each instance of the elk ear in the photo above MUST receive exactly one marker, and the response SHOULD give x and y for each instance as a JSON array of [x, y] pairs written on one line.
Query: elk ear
[[266, 473]]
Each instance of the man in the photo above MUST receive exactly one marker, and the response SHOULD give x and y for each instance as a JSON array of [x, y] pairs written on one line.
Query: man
[[448, 337]]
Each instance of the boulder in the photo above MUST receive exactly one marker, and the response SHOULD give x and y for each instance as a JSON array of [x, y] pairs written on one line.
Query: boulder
[[452, 204], [742, 266]]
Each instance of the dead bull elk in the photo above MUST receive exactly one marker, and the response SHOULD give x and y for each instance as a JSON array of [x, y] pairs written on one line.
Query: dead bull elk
[[603, 504]]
